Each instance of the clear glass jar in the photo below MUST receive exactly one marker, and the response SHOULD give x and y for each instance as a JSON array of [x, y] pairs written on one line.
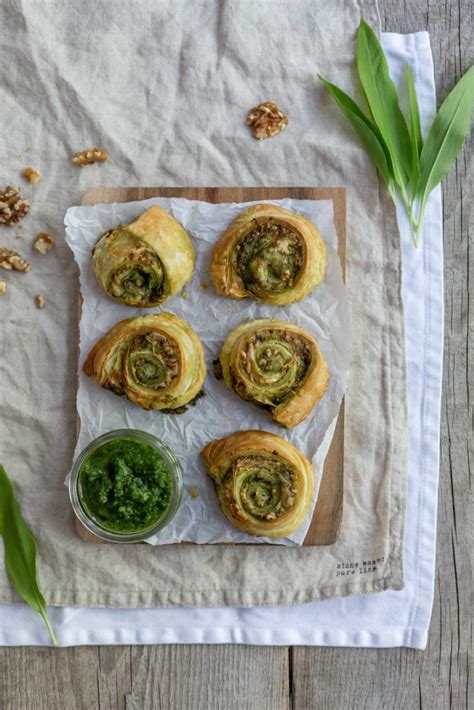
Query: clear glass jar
[[87, 517]]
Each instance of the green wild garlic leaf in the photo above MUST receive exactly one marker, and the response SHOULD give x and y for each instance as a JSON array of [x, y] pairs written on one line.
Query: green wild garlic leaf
[[382, 99], [446, 135], [365, 129], [415, 130], [20, 551], [410, 166]]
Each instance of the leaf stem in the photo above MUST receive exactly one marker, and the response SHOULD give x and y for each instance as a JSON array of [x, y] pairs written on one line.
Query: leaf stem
[[49, 627], [408, 202]]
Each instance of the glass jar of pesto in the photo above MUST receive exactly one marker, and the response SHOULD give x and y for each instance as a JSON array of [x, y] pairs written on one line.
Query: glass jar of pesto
[[126, 485]]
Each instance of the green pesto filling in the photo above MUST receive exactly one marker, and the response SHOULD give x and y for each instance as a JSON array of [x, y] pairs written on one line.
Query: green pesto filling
[[140, 284], [126, 485], [269, 258], [273, 365], [138, 277], [264, 486]]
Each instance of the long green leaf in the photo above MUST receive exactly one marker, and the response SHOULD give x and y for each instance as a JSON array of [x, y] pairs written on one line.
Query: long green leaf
[[20, 550], [446, 135], [365, 129], [415, 130], [383, 102]]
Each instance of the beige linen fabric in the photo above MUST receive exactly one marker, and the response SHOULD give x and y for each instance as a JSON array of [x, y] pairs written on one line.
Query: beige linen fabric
[[164, 87]]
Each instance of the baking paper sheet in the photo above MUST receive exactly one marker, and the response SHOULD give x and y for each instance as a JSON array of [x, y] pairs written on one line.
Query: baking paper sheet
[[324, 314]]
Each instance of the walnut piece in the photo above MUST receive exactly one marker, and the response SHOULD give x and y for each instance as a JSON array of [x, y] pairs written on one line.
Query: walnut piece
[[11, 260], [12, 206], [43, 242], [87, 157], [193, 492], [3, 287], [266, 120], [32, 175], [40, 302]]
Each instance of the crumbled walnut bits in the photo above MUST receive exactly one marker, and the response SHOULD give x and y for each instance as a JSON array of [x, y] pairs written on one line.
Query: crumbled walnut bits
[[31, 175], [12, 206], [40, 302], [11, 260], [3, 287], [266, 120], [87, 157], [43, 242]]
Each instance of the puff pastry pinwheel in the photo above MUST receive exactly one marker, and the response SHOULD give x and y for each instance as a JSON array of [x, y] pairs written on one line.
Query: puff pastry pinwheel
[[157, 361], [270, 254], [275, 365], [264, 484], [145, 262]]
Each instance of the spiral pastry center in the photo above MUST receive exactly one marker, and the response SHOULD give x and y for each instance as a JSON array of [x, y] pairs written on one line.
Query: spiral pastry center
[[264, 486], [269, 258], [270, 365], [152, 360], [139, 277]]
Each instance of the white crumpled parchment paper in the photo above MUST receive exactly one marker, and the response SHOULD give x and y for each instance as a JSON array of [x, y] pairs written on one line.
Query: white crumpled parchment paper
[[324, 314]]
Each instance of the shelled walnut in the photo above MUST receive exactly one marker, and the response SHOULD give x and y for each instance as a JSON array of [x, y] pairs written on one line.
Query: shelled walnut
[[31, 175], [12, 206], [43, 242], [40, 302], [3, 287], [87, 157], [11, 260], [266, 120]]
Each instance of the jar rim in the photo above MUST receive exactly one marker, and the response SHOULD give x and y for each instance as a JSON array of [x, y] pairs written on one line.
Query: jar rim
[[91, 523]]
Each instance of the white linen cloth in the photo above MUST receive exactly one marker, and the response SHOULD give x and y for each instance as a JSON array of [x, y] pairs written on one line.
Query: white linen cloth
[[390, 618]]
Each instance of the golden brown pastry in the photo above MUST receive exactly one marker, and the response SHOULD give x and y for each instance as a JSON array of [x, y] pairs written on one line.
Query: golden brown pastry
[[263, 482], [277, 366], [157, 361], [270, 254], [145, 262]]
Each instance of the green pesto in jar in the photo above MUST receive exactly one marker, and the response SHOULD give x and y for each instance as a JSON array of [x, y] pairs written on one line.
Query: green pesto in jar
[[126, 485]]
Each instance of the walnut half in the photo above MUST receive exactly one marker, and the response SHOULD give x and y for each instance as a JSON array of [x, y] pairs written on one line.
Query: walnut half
[[43, 242], [266, 120], [12, 206], [11, 260], [87, 157], [31, 175]]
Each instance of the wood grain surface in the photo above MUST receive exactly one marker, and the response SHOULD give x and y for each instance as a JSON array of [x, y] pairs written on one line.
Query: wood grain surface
[[327, 517], [248, 678]]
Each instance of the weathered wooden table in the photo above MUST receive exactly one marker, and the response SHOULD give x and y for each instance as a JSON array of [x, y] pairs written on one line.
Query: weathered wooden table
[[228, 677]]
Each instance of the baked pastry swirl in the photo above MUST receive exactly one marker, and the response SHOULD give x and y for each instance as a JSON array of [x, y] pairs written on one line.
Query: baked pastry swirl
[[270, 254], [264, 484], [157, 361], [145, 262], [277, 366]]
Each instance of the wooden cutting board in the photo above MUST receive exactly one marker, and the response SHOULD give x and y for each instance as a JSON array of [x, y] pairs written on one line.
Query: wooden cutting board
[[327, 517]]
